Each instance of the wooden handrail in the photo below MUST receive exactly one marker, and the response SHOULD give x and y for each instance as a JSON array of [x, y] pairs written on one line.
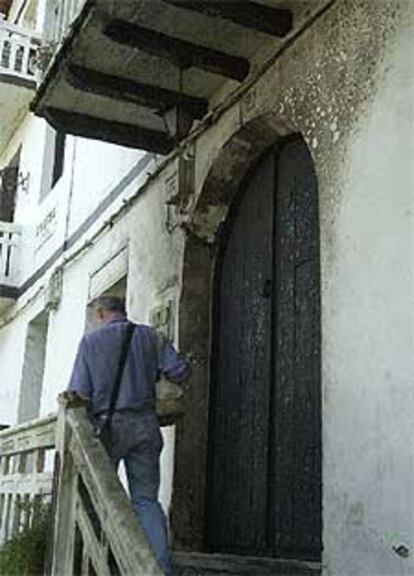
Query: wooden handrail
[[39, 433], [94, 528], [95, 524]]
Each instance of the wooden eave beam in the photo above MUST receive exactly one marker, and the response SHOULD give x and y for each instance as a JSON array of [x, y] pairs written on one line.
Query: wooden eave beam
[[119, 133], [182, 53], [123, 89], [274, 21]]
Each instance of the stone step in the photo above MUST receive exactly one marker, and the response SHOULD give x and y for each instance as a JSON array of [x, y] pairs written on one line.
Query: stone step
[[197, 564]]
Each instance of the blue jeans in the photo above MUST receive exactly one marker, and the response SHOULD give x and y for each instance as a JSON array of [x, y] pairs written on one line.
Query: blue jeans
[[137, 440]]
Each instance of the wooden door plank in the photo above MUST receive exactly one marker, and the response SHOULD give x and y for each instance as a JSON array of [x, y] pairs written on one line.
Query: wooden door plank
[[240, 401], [296, 451]]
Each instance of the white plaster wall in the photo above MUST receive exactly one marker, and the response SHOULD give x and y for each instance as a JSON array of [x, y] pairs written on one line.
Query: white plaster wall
[[97, 177], [11, 354], [347, 85], [98, 168], [92, 170], [12, 350], [30, 211], [153, 264], [368, 331]]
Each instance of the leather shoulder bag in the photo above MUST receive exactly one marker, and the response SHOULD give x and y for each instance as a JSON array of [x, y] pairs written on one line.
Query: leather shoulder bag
[[165, 390]]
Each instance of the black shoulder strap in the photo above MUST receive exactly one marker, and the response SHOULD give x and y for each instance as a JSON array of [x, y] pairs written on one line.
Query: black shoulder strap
[[122, 360]]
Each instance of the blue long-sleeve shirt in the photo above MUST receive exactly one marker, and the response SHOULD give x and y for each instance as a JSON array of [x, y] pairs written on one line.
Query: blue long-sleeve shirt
[[97, 362]]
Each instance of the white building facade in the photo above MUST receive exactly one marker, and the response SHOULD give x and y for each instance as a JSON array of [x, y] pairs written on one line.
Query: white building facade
[[89, 216]]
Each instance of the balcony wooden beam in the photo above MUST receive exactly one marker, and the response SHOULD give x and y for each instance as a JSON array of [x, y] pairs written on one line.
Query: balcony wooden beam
[[125, 90], [119, 133], [274, 21], [182, 53]]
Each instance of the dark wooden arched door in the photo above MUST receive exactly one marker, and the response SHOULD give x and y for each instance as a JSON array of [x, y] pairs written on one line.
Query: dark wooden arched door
[[264, 485]]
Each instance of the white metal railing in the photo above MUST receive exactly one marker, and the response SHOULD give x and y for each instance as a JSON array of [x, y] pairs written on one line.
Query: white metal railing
[[9, 242], [18, 49]]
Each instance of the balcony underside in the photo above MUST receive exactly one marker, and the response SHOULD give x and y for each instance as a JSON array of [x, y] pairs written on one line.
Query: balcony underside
[[124, 64], [15, 96]]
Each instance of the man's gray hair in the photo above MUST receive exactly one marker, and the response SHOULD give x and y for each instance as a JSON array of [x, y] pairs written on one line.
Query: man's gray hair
[[111, 304]]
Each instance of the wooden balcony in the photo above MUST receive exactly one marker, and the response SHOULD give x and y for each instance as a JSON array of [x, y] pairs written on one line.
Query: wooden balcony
[[9, 243], [18, 49], [140, 73]]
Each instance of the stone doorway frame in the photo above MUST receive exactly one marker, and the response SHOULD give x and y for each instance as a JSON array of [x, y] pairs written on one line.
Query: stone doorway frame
[[233, 162]]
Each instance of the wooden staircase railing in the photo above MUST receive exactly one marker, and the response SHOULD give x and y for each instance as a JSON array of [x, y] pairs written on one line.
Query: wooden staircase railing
[[94, 528], [26, 473]]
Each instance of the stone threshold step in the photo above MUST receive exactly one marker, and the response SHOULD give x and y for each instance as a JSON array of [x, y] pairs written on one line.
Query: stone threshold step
[[198, 564]]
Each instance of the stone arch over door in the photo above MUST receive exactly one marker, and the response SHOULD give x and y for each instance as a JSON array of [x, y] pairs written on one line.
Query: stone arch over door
[[234, 162]]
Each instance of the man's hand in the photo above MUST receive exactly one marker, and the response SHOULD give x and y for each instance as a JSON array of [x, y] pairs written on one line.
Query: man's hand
[[72, 399]]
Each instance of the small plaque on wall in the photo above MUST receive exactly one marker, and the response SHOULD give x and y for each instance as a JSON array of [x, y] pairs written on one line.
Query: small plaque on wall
[[54, 290], [46, 228], [180, 184]]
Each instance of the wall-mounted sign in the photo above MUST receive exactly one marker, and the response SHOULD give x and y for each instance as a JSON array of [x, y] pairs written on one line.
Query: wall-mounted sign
[[46, 228]]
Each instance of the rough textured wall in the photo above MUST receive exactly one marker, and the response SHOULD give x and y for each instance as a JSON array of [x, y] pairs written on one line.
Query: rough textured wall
[[347, 85]]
